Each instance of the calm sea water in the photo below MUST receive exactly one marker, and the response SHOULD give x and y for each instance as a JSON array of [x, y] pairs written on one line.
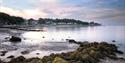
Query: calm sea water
[[53, 39]]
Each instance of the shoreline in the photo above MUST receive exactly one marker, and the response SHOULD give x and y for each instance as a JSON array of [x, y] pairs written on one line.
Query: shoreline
[[86, 52], [116, 42], [21, 28]]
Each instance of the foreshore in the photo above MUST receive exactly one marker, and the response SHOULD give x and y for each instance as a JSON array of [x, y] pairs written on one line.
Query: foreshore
[[87, 52], [19, 27]]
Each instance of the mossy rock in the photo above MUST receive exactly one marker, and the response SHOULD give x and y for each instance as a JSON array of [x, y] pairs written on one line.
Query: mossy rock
[[33, 60], [87, 53], [59, 60]]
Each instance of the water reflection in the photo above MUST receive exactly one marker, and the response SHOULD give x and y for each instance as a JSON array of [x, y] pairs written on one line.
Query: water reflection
[[59, 34]]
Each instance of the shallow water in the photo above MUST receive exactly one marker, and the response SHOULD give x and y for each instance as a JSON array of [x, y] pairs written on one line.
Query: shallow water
[[53, 39]]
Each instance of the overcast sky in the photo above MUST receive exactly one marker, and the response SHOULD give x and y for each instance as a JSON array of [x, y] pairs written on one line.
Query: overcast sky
[[109, 11]]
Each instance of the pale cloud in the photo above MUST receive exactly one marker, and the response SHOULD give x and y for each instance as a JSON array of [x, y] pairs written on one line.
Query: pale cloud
[[57, 9], [1, 2], [44, 3], [27, 13], [74, 12], [109, 13], [48, 1]]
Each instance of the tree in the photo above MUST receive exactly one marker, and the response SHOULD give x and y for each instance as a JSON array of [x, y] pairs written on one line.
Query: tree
[[7, 19]]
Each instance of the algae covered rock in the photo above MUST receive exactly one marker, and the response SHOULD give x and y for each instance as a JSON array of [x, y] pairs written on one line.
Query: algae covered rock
[[85, 53], [59, 60], [33, 60]]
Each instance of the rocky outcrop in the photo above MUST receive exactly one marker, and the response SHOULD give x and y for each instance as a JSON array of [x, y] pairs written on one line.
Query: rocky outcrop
[[86, 53]]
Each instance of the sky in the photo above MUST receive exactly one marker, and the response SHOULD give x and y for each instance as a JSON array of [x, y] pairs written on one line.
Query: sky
[[102, 11]]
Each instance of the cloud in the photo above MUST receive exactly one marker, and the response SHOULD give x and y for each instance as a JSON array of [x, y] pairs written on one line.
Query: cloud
[[57, 9], [48, 1], [106, 13], [26, 13]]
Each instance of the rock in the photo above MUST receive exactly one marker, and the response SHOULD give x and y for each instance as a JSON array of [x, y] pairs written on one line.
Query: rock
[[113, 41], [15, 39], [3, 53], [37, 53], [7, 37], [122, 58], [19, 59], [71, 40], [1, 61], [43, 37], [52, 38], [25, 52], [86, 53], [33, 60], [120, 52], [10, 56], [59, 60]]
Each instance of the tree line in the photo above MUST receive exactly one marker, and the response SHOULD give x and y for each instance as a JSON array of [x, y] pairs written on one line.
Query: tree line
[[7, 19], [10, 20]]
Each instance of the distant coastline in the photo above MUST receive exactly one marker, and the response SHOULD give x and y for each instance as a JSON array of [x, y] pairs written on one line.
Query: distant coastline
[[6, 19]]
